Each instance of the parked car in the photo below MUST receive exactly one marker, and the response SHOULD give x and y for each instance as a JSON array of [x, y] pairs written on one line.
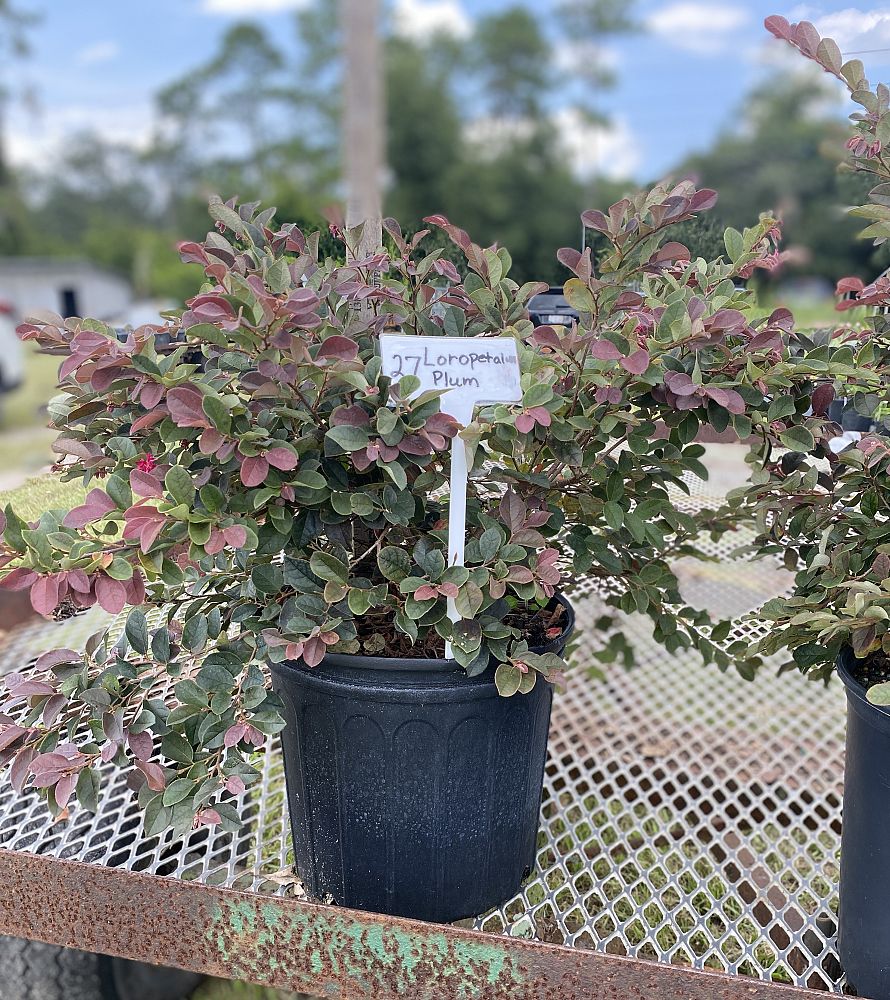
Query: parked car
[[551, 308], [12, 361]]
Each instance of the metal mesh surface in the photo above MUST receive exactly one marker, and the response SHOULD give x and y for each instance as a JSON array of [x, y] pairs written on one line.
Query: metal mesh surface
[[687, 817]]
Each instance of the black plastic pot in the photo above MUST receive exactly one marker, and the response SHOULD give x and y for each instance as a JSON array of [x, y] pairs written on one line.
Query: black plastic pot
[[864, 918], [413, 789]]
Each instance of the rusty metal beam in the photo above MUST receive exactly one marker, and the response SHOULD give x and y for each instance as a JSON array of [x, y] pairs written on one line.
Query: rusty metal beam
[[289, 944]]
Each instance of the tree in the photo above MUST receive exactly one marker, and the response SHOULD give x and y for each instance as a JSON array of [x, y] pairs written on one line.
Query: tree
[[231, 104], [15, 24], [513, 63], [781, 154], [424, 133], [586, 24]]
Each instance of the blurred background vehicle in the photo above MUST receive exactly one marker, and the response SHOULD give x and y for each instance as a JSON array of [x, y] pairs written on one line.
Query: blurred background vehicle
[[551, 308], [12, 365]]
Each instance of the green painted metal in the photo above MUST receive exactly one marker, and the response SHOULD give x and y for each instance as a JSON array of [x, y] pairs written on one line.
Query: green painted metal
[[296, 945]]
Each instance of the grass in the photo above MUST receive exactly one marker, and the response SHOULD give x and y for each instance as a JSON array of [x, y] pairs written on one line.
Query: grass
[[41, 493], [24, 438]]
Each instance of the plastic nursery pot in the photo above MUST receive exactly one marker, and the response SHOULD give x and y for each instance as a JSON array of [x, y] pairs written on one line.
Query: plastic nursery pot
[[413, 789], [864, 918]]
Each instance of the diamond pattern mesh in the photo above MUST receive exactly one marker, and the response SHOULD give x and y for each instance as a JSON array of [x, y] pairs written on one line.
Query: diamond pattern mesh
[[687, 817]]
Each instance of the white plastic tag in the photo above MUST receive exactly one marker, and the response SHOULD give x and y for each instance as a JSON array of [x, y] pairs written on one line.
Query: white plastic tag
[[474, 371]]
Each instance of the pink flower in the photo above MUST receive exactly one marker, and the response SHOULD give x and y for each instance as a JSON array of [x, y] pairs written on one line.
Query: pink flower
[[147, 463]]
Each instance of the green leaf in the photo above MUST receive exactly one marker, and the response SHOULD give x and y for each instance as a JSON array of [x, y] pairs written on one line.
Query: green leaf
[[345, 438], [208, 332], [397, 474], [798, 439], [328, 567], [214, 499], [217, 413], [734, 243], [157, 817], [87, 789], [490, 543], [160, 645], [781, 406], [578, 296], [507, 679], [194, 634], [614, 514], [359, 601], [119, 569], [469, 600], [177, 747], [118, 489], [636, 526], [537, 395], [386, 421], [310, 480], [879, 694], [137, 630], [188, 692], [528, 681], [227, 216], [278, 277], [179, 485], [177, 790], [394, 563], [267, 578]]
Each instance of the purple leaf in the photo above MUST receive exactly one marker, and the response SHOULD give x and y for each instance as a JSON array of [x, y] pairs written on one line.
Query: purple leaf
[[54, 657], [185, 406], [254, 471], [605, 350], [636, 363], [45, 594], [680, 384], [98, 504], [111, 594], [281, 458], [144, 484], [234, 734]]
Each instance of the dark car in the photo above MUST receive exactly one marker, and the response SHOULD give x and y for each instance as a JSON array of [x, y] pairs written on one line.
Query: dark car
[[550, 308]]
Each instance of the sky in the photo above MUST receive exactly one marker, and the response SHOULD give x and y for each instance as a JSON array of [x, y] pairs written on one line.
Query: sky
[[97, 63]]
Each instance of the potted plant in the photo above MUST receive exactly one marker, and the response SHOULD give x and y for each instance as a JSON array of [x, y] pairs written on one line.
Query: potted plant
[[263, 495], [831, 519]]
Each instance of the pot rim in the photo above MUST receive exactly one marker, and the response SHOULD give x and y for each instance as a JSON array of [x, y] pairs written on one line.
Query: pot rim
[[855, 690], [397, 664]]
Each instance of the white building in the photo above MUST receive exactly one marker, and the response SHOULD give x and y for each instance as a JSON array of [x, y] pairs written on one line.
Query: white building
[[67, 287]]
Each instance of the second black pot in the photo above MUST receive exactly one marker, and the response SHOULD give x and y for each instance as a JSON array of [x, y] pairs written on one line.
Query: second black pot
[[864, 917], [413, 789]]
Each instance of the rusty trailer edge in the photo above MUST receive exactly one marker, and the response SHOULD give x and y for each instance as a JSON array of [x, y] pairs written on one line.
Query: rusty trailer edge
[[291, 944]]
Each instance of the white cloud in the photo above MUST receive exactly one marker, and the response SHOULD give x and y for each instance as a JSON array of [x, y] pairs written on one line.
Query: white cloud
[[608, 150], [572, 57], [34, 141], [243, 8], [98, 52], [703, 28], [854, 29], [419, 20]]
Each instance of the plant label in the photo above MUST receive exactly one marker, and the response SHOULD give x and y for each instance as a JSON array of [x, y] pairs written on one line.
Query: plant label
[[472, 371]]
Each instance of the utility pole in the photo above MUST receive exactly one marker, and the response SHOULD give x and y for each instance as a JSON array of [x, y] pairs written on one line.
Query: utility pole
[[363, 122]]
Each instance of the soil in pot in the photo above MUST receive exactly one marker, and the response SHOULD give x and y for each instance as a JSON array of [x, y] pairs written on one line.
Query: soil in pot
[[864, 916], [413, 789]]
